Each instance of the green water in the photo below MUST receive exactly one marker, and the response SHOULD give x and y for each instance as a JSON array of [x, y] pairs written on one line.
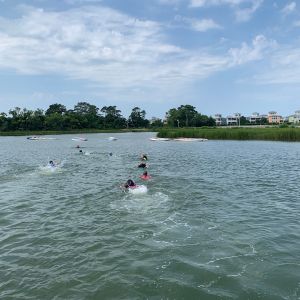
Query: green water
[[220, 220]]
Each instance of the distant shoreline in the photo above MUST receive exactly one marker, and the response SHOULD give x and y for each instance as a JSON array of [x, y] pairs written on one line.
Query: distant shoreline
[[262, 134], [216, 133], [77, 131]]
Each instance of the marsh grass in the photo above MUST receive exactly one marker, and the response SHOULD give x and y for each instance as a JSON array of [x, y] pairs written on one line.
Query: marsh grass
[[267, 134]]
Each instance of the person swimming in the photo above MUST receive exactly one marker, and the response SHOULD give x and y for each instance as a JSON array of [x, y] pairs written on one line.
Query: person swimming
[[144, 157], [80, 151], [51, 163], [110, 154], [142, 165], [145, 176], [129, 184]]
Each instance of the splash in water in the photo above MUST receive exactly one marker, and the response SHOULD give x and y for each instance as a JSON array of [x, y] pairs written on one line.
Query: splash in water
[[52, 167]]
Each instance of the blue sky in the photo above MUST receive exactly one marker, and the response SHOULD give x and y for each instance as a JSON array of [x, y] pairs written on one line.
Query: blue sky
[[222, 56]]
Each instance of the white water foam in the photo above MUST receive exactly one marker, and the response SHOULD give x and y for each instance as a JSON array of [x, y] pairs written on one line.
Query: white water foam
[[48, 169]]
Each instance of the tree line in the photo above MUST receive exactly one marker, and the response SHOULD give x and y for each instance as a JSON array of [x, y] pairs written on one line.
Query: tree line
[[87, 116]]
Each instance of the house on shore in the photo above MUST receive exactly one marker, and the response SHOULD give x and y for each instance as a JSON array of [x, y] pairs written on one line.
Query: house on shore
[[220, 121], [233, 120], [274, 118], [294, 119], [255, 118]]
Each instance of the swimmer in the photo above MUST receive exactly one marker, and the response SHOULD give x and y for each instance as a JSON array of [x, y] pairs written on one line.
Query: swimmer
[[142, 165], [110, 154], [145, 176], [51, 163], [144, 157], [129, 184], [84, 153]]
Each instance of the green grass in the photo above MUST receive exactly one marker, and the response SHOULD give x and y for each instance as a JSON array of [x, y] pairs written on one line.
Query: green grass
[[267, 134], [75, 131]]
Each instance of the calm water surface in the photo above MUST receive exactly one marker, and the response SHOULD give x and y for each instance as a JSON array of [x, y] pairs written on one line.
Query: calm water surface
[[220, 220]]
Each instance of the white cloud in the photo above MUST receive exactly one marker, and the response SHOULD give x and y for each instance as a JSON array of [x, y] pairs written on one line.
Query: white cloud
[[204, 24], [284, 68], [109, 49], [289, 8], [260, 46], [202, 3], [169, 2], [200, 25], [297, 23], [74, 2], [245, 14], [197, 3], [101, 45], [280, 63], [244, 9]]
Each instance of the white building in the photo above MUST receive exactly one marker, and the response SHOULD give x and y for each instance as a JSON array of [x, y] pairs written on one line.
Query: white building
[[220, 120], [254, 118], [295, 119], [233, 120]]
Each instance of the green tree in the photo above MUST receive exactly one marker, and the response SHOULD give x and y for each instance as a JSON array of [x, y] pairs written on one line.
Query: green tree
[[137, 118], [37, 120], [264, 121], [84, 108], [172, 117], [55, 121], [71, 121], [211, 122], [16, 122], [87, 115], [202, 120], [186, 115], [3, 121], [244, 121], [56, 108], [156, 122], [112, 117], [25, 119]]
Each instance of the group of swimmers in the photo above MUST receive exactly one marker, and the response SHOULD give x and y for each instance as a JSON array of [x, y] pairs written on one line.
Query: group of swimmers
[[53, 164], [81, 152], [130, 183]]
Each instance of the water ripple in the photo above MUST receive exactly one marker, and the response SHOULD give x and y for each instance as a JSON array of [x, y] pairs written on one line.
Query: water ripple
[[220, 220]]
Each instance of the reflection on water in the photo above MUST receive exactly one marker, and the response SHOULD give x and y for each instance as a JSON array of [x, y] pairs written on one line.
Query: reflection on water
[[220, 219]]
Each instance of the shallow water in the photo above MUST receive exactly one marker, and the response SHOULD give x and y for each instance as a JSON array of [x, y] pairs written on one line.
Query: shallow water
[[220, 220]]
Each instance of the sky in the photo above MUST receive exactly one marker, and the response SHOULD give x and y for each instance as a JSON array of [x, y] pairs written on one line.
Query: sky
[[221, 56]]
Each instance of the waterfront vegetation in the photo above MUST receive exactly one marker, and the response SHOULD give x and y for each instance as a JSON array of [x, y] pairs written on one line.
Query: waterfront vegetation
[[71, 131], [184, 121], [85, 117], [268, 134]]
